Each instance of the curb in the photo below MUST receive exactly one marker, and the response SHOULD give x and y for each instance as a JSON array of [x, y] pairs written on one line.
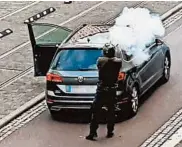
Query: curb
[[171, 12], [21, 109], [41, 96]]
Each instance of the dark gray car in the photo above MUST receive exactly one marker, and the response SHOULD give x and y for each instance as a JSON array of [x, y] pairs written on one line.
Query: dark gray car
[[71, 71]]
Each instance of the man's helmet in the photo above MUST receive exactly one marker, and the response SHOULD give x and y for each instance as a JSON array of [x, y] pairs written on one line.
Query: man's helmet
[[109, 50]]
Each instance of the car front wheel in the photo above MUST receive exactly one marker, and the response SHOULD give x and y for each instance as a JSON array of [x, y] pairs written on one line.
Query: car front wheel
[[134, 102], [166, 70]]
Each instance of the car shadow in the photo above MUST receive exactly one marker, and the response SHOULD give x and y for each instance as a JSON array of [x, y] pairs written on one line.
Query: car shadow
[[84, 117], [73, 117]]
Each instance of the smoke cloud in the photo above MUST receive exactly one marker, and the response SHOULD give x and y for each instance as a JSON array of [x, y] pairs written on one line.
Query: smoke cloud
[[134, 29], [132, 32]]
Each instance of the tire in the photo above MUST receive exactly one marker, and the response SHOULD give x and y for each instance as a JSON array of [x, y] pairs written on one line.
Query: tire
[[166, 71], [134, 102], [54, 115]]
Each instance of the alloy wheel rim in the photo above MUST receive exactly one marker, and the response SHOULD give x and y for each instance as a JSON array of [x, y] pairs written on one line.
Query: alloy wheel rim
[[166, 68], [134, 100]]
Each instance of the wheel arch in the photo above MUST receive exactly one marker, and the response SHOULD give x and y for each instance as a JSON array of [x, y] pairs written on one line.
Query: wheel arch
[[137, 86], [167, 53], [133, 81]]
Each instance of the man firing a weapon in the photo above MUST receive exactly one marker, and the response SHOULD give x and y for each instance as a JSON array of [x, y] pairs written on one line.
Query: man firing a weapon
[[109, 67]]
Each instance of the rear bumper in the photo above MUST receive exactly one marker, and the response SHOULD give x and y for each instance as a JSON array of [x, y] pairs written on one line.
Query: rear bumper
[[56, 103]]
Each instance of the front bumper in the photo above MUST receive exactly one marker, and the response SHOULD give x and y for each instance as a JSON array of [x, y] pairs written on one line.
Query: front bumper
[[79, 102]]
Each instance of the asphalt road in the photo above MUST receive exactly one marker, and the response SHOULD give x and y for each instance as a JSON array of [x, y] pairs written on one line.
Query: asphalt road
[[159, 105], [179, 145]]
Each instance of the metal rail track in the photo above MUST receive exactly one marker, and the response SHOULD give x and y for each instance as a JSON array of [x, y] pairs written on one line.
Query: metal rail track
[[30, 69], [16, 77]]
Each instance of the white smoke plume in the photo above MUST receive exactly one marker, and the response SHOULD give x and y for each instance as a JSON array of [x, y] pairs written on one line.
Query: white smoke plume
[[134, 29]]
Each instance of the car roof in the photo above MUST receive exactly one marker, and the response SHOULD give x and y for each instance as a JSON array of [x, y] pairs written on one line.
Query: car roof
[[79, 38], [89, 30], [82, 45]]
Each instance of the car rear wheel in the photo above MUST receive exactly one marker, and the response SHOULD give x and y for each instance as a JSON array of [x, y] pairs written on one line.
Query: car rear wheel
[[166, 71], [134, 102]]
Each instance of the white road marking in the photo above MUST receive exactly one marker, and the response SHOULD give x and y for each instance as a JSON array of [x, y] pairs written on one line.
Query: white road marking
[[14, 49], [82, 13], [19, 10], [71, 19], [76, 16]]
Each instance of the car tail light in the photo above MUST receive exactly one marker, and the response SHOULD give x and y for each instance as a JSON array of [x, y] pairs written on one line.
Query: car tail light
[[121, 76], [50, 101], [54, 77]]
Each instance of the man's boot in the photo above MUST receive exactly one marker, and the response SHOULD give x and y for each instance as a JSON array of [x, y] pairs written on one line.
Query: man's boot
[[91, 136], [110, 134]]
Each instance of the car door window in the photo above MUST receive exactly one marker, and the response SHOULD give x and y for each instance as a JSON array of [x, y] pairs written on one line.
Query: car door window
[[49, 34], [45, 39]]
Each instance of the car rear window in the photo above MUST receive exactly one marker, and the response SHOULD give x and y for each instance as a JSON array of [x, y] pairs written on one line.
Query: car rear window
[[77, 59]]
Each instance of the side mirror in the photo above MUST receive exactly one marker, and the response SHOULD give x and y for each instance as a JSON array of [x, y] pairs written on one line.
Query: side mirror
[[158, 42]]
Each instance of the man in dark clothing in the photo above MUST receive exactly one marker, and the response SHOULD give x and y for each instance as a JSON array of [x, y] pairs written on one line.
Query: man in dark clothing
[[109, 67]]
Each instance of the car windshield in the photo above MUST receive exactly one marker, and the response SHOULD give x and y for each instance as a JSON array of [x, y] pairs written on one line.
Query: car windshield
[[77, 59]]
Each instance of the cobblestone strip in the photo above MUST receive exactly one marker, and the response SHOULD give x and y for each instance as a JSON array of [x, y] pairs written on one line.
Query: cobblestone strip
[[164, 133], [22, 120], [168, 22]]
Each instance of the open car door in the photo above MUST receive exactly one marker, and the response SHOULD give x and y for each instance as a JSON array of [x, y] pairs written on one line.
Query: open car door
[[45, 39]]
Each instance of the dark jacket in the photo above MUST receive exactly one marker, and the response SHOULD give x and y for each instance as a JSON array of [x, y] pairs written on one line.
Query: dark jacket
[[108, 70]]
